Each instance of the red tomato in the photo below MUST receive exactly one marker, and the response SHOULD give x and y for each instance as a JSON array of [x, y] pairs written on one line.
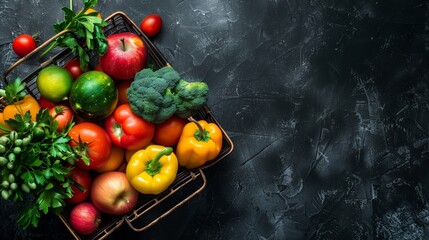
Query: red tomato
[[89, 139], [73, 67], [82, 177], [168, 132], [45, 103], [62, 115], [23, 45], [151, 25], [122, 91], [128, 130]]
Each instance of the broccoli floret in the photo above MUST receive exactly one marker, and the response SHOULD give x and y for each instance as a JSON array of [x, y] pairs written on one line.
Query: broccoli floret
[[190, 97], [150, 97], [158, 95]]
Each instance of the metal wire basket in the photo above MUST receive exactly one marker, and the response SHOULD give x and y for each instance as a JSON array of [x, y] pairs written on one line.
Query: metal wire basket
[[150, 208]]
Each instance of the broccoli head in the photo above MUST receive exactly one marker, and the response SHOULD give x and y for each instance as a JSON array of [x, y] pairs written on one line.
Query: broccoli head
[[158, 95], [150, 96], [190, 97]]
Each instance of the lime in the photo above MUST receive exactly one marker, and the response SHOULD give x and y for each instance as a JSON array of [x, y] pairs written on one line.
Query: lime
[[54, 83]]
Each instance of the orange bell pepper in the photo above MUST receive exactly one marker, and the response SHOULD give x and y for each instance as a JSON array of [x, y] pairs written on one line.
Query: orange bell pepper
[[2, 122], [29, 103], [18, 102], [199, 143]]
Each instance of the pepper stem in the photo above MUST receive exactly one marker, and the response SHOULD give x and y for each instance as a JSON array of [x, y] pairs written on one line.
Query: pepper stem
[[201, 134], [154, 166]]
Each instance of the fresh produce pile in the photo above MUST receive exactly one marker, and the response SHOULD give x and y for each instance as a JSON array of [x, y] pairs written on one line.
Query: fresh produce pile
[[100, 136]]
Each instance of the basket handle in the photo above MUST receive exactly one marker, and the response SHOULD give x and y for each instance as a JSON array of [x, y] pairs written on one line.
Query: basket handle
[[29, 55], [204, 182]]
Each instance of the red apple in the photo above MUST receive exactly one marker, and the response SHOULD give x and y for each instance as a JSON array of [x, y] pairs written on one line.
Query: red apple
[[113, 194], [83, 178], [85, 218], [126, 55]]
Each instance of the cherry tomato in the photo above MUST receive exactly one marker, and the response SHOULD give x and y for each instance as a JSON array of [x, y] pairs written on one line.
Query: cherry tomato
[[168, 132], [151, 25], [62, 114], [23, 45], [45, 103], [91, 140], [73, 67], [83, 178], [122, 91]]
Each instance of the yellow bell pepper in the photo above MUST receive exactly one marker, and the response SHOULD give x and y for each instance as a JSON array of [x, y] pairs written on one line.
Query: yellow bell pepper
[[199, 143], [153, 169]]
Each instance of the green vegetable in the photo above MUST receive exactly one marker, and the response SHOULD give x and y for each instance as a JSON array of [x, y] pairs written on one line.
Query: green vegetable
[[39, 165], [10, 165], [25, 188], [2, 149], [85, 28], [5, 194], [191, 97], [18, 142], [150, 94], [3, 161], [5, 184], [158, 95]]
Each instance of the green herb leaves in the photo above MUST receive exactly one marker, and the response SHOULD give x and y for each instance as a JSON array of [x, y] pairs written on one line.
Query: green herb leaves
[[39, 170], [13, 92], [86, 31]]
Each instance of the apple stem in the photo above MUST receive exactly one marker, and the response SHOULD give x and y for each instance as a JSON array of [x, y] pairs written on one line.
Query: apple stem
[[123, 44]]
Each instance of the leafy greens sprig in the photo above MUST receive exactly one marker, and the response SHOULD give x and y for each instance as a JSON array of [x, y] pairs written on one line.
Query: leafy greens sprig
[[35, 162], [86, 30]]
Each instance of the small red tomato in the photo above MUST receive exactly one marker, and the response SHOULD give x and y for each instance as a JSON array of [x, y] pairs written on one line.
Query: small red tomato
[[151, 25], [45, 103], [62, 115], [73, 67], [168, 132], [83, 178], [23, 45]]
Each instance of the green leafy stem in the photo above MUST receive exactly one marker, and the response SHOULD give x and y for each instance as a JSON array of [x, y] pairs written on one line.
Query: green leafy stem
[[86, 30]]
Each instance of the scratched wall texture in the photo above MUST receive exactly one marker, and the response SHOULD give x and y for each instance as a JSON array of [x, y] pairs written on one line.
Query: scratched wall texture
[[327, 103]]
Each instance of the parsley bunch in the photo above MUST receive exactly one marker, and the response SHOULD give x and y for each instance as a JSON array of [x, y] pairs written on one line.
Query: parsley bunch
[[35, 162], [86, 30]]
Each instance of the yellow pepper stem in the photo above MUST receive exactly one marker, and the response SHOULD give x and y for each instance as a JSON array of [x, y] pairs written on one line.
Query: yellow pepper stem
[[201, 134], [154, 166]]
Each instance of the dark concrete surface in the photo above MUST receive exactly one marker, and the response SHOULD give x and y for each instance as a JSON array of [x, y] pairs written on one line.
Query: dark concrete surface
[[327, 103]]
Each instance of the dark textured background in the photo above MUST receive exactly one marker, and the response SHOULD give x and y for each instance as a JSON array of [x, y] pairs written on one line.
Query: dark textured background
[[327, 103]]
